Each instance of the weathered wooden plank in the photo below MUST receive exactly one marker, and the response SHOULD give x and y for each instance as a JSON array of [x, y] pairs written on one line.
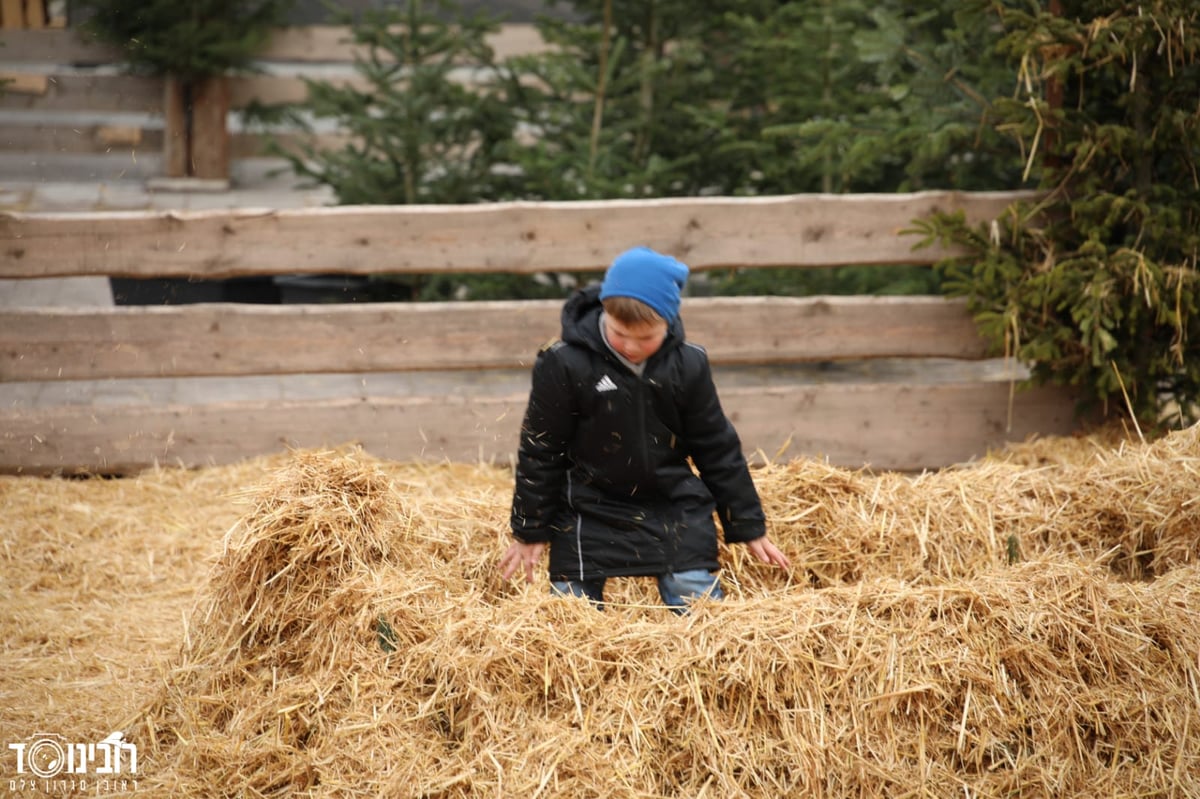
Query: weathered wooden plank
[[247, 90], [76, 138], [315, 43], [519, 237], [35, 14], [12, 15], [64, 90], [209, 138], [904, 427], [23, 82], [56, 46], [83, 93], [175, 150], [187, 340], [334, 43], [65, 138], [251, 144]]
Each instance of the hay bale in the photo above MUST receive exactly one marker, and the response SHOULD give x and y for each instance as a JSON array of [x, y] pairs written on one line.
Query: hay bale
[[305, 559], [1133, 507], [928, 665], [348, 634]]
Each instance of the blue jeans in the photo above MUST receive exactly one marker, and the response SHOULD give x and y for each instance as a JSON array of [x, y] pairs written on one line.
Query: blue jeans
[[677, 589]]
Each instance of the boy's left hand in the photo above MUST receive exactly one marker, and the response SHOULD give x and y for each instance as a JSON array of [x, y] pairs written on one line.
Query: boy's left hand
[[521, 556], [767, 552]]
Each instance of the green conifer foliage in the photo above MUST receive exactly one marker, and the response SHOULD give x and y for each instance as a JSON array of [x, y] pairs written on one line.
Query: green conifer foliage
[[860, 97], [658, 98], [624, 105], [190, 39], [418, 131], [1094, 285]]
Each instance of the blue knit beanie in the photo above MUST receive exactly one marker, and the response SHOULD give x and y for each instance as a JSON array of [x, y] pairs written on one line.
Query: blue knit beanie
[[649, 276]]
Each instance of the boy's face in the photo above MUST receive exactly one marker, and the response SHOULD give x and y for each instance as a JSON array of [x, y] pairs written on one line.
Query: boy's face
[[637, 341]]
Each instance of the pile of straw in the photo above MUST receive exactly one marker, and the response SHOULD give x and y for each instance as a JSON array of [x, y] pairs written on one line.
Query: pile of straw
[[351, 645], [1020, 626], [1134, 507]]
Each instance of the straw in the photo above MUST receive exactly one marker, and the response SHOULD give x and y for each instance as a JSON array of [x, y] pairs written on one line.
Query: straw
[[326, 623]]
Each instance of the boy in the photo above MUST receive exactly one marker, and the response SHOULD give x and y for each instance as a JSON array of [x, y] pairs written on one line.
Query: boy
[[617, 407]]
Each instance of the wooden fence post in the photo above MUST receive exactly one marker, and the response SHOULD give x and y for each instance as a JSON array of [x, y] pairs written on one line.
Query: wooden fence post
[[175, 134], [210, 133], [35, 14], [196, 139], [11, 14]]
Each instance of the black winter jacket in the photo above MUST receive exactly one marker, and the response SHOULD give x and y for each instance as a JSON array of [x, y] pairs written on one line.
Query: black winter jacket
[[602, 469]]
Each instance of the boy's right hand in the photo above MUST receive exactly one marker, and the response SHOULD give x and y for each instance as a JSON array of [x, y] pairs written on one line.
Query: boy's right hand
[[520, 554]]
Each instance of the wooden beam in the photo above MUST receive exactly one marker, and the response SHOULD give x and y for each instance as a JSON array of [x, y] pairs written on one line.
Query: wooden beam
[[86, 93], [53, 138], [209, 134], [189, 340], [35, 14], [807, 230], [248, 144], [900, 427], [56, 46], [334, 43], [35, 84], [68, 138], [272, 90], [120, 137], [128, 93], [12, 15], [176, 131], [306, 43]]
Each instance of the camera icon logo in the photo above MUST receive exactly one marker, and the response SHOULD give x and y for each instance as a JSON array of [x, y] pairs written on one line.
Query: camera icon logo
[[46, 754]]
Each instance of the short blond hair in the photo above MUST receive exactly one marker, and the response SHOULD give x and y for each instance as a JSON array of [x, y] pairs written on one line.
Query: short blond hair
[[629, 311]]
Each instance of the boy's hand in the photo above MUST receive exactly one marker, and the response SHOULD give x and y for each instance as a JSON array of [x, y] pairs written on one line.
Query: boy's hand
[[765, 551], [520, 554]]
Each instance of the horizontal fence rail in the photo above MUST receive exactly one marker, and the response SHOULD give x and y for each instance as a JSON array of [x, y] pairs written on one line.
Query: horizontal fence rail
[[807, 230], [889, 382], [897, 426], [113, 390], [229, 340], [318, 44]]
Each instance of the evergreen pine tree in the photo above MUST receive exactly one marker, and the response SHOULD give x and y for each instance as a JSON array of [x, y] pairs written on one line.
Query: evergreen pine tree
[[193, 45], [857, 97], [417, 132], [628, 103], [1095, 284], [861, 97], [190, 40]]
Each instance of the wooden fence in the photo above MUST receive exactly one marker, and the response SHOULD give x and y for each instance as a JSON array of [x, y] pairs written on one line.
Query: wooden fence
[[63, 94], [21, 14], [115, 389]]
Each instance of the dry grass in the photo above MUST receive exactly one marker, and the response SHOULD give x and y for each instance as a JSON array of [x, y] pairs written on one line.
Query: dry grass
[[327, 624]]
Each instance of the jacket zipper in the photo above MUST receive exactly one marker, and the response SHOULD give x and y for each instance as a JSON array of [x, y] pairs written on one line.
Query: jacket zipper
[[641, 419], [578, 525], [668, 540]]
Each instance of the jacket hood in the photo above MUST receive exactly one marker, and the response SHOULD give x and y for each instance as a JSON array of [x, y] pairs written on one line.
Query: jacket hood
[[581, 323]]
